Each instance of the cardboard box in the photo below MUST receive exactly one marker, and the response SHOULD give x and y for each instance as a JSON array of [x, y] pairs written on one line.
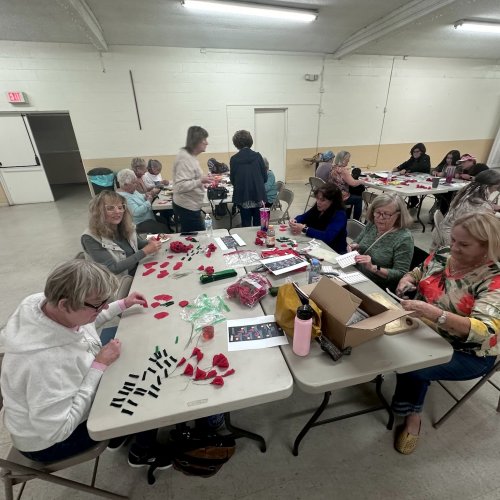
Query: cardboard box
[[339, 302]]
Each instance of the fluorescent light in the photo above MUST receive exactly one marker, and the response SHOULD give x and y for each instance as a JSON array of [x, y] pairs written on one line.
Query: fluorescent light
[[248, 9], [478, 26]]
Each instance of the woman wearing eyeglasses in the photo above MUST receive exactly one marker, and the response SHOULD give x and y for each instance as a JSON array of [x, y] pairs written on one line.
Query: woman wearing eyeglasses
[[385, 245], [111, 239], [54, 361]]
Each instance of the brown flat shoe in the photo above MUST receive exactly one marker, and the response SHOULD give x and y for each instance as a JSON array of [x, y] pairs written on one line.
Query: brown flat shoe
[[406, 442]]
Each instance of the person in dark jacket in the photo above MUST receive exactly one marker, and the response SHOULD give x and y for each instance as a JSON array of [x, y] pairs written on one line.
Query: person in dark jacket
[[326, 220], [248, 176], [467, 168], [418, 162]]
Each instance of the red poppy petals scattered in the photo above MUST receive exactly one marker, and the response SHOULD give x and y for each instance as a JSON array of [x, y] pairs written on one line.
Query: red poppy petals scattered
[[183, 303], [211, 374], [147, 265], [220, 360], [162, 274], [177, 266], [163, 296], [189, 370], [181, 362], [209, 270], [149, 271], [164, 264], [195, 352], [201, 268], [161, 315], [145, 305], [219, 381], [229, 372], [200, 374], [170, 256], [155, 304]]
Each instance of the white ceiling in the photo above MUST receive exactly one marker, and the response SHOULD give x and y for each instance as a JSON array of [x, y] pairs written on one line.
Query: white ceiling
[[167, 23]]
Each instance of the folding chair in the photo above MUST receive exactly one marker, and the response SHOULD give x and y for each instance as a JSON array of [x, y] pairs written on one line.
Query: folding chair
[[354, 228], [438, 220], [16, 469], [314, 182], [419, 256], [460, 401], [368, 198], [276, 204], [280, 216]]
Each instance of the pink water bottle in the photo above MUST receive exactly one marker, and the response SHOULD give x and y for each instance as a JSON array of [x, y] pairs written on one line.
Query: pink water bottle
[[302, 330]]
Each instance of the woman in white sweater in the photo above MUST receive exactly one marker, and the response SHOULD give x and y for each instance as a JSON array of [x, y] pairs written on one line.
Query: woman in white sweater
[[54, 361], [188, 180]]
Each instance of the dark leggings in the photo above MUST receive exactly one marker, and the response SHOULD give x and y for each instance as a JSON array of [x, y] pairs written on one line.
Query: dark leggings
[[191, 220]]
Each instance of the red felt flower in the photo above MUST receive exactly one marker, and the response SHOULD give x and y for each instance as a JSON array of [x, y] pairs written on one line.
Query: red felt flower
[[201, 268], [164, 264], [466, 304], [431, 288], [147, 265], [195, 352], [163, 296], [220, 360], [209, 270], [219, 381], [259, 242], [211, 374], [179, 247], [208, 253], [177, 266], [261, 234], [149, 271], [212, 247], [189, 370], [181, 362], [493, 341], [161, 315], [229, 372], [183, 303], [155, 304], [200, 374]]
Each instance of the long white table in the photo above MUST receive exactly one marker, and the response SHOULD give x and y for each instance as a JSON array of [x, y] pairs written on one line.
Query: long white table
[[261, 375], [317, 373], [412, 190]]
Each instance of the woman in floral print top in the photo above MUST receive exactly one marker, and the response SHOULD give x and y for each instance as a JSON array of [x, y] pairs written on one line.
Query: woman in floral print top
[[458, 291]]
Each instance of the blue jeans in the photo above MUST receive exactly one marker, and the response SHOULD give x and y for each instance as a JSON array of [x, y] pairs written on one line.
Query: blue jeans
[[357, 205], [411, 387], [191, 220], [250, 216]]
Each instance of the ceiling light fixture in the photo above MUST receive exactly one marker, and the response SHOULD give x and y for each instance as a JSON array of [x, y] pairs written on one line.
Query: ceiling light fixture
[[478, 26], [248, 9]]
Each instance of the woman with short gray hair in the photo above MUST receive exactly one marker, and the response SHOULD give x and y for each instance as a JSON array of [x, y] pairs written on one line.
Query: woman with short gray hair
[[139, 204], [54, 361], [385, 245]]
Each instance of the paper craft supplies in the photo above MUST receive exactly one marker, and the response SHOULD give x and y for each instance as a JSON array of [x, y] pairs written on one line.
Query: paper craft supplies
[[347, 259]]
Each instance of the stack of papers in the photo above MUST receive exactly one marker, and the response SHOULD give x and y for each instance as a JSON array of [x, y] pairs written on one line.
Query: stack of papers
[[347, 259]]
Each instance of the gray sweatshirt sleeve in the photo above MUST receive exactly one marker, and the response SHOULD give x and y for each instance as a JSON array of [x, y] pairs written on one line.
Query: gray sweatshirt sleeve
[[102, 256]]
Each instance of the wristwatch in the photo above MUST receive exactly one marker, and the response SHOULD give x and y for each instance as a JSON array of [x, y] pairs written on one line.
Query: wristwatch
[[378, 268], [304, 230], [442, 319]]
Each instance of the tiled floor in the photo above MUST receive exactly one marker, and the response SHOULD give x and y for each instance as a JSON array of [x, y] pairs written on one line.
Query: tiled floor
[[351, 459]]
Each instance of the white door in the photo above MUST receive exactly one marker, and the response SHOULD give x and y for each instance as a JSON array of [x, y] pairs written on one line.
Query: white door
[[270, 139], [22, 179]]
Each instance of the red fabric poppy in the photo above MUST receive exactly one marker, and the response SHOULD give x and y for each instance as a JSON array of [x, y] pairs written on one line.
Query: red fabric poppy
[[466, 304], [208, 253], [261, 234], [219, 381], [155, 304], [183, 303], [195, 352], [220, 360], [189, 370], [201, 268], [149, 271], [209, 270], [211, 374], [212, 247], [147, 265], [181, 362], [229, 372], [177, 266], [259, 242], [431, 288], [200, 374], [161, 315]]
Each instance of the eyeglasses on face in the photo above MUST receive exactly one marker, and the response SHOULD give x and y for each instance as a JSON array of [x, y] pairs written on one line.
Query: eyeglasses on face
[[384, 215], [99, 307], [417, 151], [112, 208]]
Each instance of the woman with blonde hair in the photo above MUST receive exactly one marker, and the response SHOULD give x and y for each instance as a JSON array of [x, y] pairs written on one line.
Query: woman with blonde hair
[[111, 239], [385, 245], [458, 292], [341, 176]]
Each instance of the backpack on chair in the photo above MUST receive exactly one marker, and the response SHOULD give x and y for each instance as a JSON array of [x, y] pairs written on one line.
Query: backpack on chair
[[196, 453], [217, 167]]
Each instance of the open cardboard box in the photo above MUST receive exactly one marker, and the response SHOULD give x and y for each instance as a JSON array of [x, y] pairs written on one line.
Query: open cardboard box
[[338, 303]]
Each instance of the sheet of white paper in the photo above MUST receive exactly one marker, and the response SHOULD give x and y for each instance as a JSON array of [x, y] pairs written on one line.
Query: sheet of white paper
[[352, 278], [254, 333], [347, 259], [284, 264], [230, 241]]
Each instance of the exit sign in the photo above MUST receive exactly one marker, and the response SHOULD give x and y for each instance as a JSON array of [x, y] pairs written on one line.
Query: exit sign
[[15, 97]]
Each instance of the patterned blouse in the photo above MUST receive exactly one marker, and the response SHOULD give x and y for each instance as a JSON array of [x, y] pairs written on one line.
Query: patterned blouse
[[337, 179], [475, 295]]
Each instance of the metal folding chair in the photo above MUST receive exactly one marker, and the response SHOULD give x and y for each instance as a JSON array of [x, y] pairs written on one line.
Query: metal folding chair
[[279, 216], [354, 228], [314, 182], [460, 401]]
